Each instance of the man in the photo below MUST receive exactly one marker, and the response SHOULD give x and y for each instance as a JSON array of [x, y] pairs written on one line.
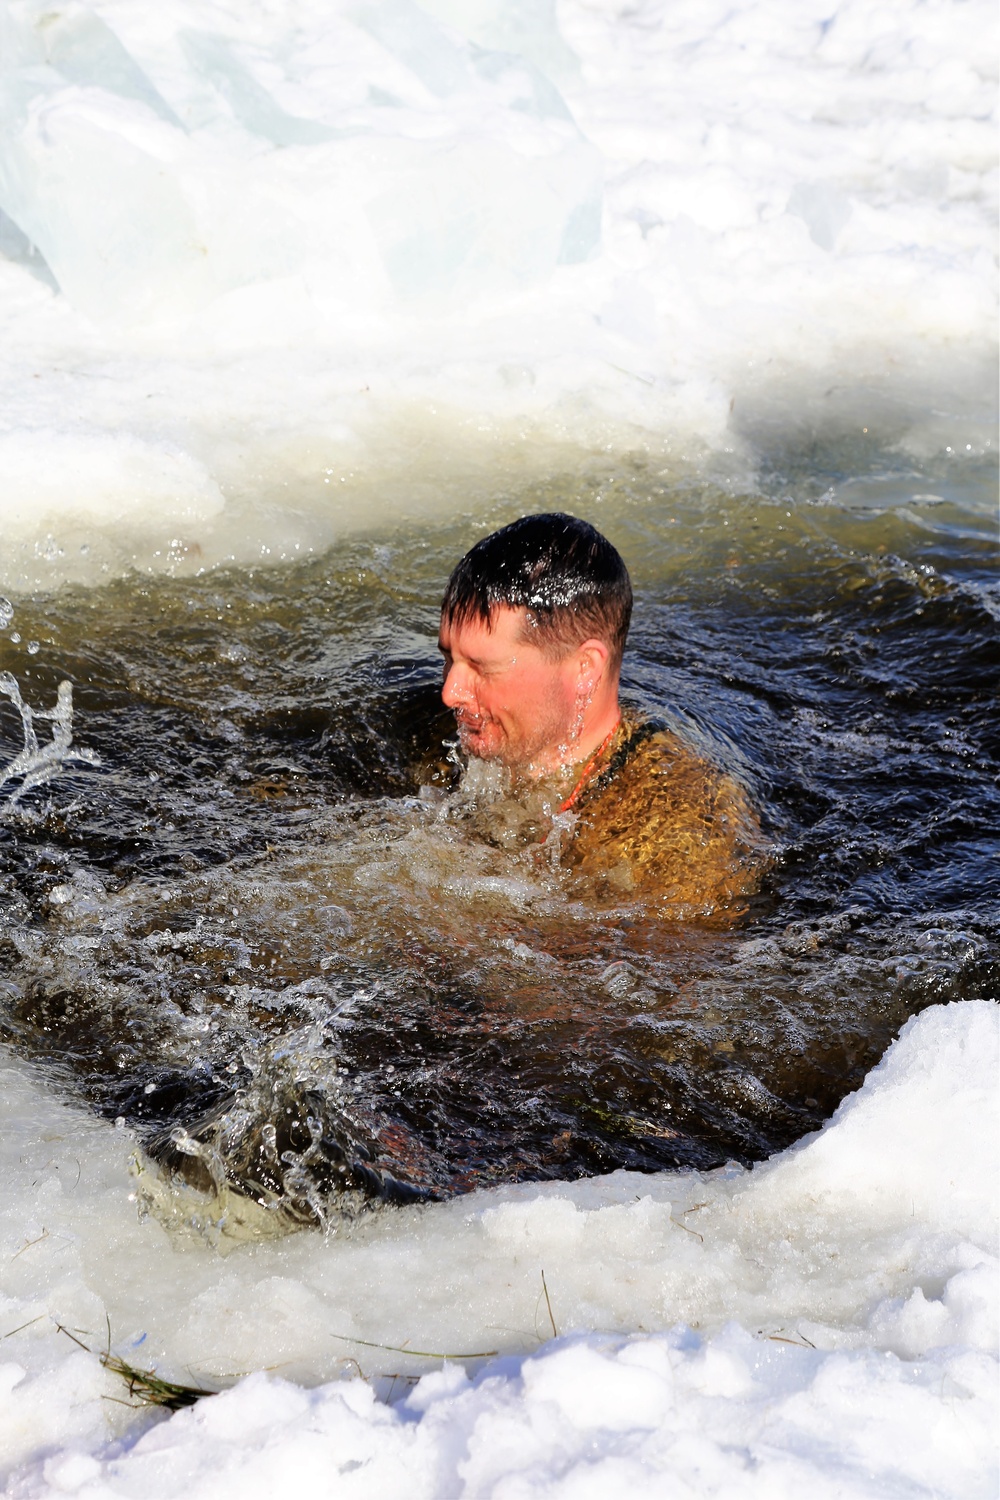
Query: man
[[533, 625]]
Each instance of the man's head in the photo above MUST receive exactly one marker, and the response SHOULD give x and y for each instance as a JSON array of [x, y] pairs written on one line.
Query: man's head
[[533, 625]]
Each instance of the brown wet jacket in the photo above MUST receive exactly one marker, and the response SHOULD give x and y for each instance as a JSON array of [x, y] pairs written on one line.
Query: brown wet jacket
[[657, 820]]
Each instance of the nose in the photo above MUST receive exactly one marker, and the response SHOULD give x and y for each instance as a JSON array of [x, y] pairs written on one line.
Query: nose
[[457, 689]]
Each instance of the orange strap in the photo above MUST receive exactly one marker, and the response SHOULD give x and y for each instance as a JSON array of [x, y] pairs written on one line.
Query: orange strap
[[589, 768]]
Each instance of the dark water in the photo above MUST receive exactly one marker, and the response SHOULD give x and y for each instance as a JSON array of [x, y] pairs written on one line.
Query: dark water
[[250, 936]]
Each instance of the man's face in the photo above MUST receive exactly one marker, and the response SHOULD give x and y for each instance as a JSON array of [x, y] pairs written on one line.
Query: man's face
[[511, 701]]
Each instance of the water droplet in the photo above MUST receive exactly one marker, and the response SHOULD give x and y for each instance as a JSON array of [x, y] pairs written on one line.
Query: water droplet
[[32, 648], [6, 612], [15, 636]]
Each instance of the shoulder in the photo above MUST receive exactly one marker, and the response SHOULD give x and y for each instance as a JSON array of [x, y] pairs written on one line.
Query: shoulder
[[668, 819], [654, 764]]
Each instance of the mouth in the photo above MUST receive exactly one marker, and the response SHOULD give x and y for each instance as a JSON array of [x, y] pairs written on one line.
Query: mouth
[[465, 720], [471, 728]]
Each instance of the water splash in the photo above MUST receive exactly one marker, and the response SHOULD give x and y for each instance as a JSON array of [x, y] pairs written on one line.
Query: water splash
[[284, 837], [36, 764]]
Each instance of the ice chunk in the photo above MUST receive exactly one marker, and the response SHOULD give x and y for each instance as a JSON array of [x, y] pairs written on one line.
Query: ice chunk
[[477, 216], [141, 221], [525, 27], [823, 209], [84, 50], [933, 1112], [581, 235], [526, 87], [108, 478], [17, 247], [404, 30], [83, 140], [20, 47], [480, 211], [214, 57], [83, 174]]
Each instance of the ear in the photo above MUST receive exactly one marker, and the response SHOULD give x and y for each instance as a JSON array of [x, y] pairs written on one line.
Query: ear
[[592, 661]]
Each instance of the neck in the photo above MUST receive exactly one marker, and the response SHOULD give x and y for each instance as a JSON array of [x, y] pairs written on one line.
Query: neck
[[595, 733], [600, 720]]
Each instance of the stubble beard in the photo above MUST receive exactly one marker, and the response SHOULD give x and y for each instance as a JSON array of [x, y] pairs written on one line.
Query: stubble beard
[[547, 748]]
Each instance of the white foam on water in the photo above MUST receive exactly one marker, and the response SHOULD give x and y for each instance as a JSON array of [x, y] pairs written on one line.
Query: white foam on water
[[825, 1323], [301, 255]]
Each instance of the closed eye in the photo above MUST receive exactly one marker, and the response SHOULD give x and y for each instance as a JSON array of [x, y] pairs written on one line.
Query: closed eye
[[482, 669]]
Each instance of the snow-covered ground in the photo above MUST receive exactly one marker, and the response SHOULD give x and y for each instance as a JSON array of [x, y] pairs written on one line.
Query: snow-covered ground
[[825, 1324]]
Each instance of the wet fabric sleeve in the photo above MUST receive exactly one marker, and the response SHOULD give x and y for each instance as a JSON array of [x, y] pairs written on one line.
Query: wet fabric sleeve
[[670, 827]]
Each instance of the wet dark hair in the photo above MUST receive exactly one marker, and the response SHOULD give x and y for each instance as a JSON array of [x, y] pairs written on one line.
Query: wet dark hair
[[567, 576]]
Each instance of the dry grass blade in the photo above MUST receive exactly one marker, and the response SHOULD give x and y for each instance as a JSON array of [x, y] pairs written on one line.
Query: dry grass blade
[[145, 1386], [548, 1304], [799, 1343], [22, 1326], [419, 1353]]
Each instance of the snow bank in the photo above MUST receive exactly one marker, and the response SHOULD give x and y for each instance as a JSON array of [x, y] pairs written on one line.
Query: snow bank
[[296, 244], [825, 1324]]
